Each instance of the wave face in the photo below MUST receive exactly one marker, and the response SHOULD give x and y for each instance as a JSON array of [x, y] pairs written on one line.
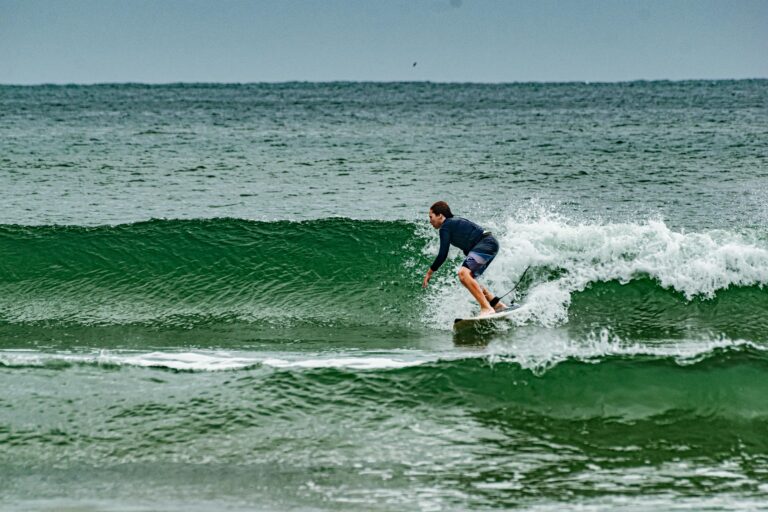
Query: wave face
[[195, 272], [638, 281]]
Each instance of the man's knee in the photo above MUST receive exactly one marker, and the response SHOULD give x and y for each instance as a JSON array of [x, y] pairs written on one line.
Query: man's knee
[[465, 274]]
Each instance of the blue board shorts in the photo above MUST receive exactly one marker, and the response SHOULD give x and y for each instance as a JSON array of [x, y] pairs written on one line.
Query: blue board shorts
[[481, 255]]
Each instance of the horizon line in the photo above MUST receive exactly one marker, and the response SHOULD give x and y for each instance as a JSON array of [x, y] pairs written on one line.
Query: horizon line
[[383, 82]]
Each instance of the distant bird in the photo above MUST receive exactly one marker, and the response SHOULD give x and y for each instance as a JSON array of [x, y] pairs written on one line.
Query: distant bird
[[414, 64]]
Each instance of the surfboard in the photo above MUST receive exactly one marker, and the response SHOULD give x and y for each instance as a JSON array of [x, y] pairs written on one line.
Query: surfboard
[[460, 323]]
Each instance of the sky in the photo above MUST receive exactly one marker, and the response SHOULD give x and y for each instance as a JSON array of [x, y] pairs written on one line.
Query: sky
[[161, 41]]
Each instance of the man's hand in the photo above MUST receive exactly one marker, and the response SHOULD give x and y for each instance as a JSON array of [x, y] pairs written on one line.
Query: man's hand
[[426, 278]]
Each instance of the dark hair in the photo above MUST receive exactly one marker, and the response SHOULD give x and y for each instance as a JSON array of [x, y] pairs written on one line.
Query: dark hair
[[441, 208]]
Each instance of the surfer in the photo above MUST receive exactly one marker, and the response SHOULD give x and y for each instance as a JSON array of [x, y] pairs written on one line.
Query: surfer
[[479, 246]]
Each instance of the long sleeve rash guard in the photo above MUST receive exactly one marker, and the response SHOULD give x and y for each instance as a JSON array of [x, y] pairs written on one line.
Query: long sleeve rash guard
[[459, 232]]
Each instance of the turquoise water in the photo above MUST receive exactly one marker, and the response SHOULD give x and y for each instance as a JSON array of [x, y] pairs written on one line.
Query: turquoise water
[[210, 297]]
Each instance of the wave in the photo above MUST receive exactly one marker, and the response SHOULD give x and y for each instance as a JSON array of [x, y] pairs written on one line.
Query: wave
[[642, 280], [604, 275], [726, 382], [189, 273]]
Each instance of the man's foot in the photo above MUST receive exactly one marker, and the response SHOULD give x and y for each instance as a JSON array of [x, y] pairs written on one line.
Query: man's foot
[[486, 312], [500, 306]]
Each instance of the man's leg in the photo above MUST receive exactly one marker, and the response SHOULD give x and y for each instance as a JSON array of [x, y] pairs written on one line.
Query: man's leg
[[489, 296], [469, 282]]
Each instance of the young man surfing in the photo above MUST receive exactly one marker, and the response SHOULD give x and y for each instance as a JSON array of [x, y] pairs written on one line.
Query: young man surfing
[[479, 246]]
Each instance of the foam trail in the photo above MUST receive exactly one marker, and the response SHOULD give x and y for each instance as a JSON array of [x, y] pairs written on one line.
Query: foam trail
[[537, 352], [219, 361]]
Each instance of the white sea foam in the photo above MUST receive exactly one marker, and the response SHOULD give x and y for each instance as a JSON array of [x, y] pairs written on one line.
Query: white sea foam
[[356, 363], [218, 360], [695, 264], [542, 350], [173, 360], [534, 351]]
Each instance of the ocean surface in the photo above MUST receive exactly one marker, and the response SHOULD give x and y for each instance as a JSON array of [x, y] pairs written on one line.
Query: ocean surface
[[210, 297]]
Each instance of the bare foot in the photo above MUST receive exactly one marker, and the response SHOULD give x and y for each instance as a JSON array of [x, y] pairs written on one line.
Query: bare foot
[[486, 312], [500, 306]]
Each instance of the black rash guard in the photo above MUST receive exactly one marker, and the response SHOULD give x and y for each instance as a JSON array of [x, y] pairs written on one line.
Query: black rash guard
[[457, 231]]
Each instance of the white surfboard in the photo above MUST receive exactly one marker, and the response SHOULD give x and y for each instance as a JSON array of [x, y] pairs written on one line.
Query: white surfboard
[[460, 323]]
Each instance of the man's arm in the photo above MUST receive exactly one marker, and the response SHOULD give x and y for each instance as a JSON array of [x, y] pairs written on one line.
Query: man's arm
[[441, 255], [445, 243]]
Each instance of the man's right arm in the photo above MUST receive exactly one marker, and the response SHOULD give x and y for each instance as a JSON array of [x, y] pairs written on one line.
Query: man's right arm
[[445, 242]]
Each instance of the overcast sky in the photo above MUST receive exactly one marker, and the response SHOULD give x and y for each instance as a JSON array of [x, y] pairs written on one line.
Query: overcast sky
[[87, 41]]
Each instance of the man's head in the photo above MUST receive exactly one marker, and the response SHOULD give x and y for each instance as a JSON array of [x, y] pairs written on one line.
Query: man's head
[[438, 212]]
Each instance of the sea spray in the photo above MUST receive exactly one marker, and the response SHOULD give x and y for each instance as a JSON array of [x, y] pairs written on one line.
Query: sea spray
[[570, 258]]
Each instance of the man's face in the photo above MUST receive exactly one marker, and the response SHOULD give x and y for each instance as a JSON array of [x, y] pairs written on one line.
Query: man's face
[[436, 220]]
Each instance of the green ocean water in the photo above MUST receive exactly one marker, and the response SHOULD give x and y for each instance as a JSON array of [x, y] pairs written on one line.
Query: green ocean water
[[210, 297]]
